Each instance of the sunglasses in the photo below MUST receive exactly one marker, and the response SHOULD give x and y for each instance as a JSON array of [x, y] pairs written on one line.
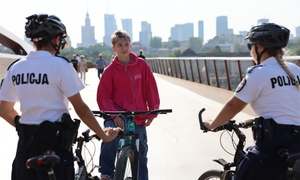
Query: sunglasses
[[249, 45]]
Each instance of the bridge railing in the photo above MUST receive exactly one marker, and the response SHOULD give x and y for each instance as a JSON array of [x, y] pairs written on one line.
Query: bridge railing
[[222, 72]]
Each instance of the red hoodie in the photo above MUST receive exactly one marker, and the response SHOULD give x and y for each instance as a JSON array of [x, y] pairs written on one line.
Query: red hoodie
[[128, 87]]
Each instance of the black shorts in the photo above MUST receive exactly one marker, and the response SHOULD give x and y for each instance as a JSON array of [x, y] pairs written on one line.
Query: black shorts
[[34, 141]]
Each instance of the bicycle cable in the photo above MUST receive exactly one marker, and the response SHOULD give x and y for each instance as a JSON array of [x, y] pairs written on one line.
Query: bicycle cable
[[91, 155], [221, 144]]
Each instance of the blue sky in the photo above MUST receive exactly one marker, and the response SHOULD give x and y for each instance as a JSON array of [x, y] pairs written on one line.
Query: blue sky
[[162, 14]]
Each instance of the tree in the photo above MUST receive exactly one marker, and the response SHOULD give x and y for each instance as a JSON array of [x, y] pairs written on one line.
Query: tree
[[91, 52], [156, 42], [195, 43]]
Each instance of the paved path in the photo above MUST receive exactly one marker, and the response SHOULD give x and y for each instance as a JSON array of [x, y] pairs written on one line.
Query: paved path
[[177, 148]]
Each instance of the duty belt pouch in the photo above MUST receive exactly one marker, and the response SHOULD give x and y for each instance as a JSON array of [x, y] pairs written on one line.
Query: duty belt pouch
[[46, 137], [69, 131], [264, 132]]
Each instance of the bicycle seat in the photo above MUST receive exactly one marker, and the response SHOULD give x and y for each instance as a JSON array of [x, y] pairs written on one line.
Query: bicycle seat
[[47, 160], [222, 162]]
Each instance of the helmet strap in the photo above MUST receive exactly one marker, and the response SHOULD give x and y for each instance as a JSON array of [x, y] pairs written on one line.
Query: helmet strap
[[259, 55], [59, 46]]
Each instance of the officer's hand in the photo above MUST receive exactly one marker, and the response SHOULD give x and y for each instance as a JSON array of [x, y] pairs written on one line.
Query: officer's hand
[[207, 125], [148, 122], [110, 134], [119, 122]]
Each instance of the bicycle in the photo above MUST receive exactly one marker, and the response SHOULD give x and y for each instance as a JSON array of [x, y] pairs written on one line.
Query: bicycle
[[128, 146], [228, 172], [47, 161]]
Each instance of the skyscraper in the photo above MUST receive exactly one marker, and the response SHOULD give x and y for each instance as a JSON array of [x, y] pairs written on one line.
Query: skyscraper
[[262, 21], [182, 32], [298, 32], [110, 27], [87, 33], [222, 26], [201, 30], [127, 26], [145, 34]]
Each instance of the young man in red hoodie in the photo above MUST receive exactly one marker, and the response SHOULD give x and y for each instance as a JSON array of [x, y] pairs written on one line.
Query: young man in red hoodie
[[127, 84]]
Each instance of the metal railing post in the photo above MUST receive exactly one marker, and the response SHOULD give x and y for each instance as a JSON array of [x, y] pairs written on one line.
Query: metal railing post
[[198, 69], [191, 67], [216, 73], [227, 75], [207, 75]]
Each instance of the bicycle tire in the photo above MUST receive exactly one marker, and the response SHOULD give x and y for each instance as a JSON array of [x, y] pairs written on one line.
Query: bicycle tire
[[126, 153], [216, 174]]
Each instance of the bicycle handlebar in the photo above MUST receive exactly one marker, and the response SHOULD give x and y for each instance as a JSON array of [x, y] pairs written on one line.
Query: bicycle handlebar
[[86, 137], [231, 125], [131, 113]]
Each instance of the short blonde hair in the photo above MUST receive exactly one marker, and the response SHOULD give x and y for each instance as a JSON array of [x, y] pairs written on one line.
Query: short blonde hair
[[117, 35]]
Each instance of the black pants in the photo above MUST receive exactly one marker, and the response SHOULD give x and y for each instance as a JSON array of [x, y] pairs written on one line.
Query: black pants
[[263, 162], [100, 71], [36, 140]]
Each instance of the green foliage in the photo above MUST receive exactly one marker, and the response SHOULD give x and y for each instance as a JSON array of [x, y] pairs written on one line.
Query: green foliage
[[294, 47], [91, 52]]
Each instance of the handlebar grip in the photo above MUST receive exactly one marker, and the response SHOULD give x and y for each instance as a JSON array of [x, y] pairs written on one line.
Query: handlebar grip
[[202, 126], [247, 124]]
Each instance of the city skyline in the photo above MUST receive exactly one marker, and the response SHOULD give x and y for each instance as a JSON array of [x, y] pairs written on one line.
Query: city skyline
[[162, 15]]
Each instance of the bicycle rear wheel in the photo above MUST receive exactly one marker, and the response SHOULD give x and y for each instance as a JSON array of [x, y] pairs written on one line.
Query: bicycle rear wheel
[[211, 175], [127, 163]]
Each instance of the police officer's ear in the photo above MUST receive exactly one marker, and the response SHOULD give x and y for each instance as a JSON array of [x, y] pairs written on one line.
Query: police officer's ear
[[55, 40]]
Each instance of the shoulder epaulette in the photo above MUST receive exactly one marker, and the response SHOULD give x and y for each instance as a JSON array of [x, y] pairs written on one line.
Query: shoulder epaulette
[[64, 58], [250, 69], [12, 64]]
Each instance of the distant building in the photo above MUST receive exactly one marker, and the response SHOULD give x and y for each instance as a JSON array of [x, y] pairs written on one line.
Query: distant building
[[145, 34], [127, 26], [87, 33], [230, 32], [230, 43], [298, 32], [182, 32], [110, 27], [201, 30], [222, 26], [262, 21]]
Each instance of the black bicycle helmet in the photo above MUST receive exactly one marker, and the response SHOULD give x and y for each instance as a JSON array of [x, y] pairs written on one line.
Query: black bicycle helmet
[[40, 27], [269, 35]]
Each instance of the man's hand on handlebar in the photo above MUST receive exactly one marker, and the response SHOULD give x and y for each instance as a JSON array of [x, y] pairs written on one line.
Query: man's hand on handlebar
[[110, 134], [119, 122]]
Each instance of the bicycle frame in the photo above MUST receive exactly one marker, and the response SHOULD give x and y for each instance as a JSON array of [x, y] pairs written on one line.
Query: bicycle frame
[[82, 173], [228, 173]]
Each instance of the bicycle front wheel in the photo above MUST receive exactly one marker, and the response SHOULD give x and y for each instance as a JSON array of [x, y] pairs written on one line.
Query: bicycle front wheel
[[126, 166], [211, 175]]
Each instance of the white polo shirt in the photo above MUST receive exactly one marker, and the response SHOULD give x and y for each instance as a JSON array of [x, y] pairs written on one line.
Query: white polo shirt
[[271, 93], [41, 82]]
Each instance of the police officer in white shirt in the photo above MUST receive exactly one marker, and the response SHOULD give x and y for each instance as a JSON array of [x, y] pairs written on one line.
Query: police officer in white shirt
[[271, 87], [44, 83]]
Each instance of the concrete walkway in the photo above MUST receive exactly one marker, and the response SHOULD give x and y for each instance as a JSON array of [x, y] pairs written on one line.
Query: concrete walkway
[[177, 148]]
